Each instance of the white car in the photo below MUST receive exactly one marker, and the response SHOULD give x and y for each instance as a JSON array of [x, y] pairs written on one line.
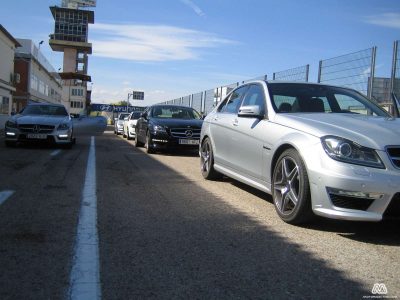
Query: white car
[[317, 149], [130, 124], [119, 123], [38, 123]]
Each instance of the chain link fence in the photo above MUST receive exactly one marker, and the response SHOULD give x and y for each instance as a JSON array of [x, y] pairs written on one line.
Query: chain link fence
[[354, 70], [209, 100], [295, 74], [197, 101]]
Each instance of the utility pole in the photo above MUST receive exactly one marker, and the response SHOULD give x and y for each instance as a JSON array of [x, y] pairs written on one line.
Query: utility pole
[[127, 101]]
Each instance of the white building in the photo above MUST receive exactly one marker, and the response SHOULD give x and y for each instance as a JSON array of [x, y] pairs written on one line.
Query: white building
[[8, 45]]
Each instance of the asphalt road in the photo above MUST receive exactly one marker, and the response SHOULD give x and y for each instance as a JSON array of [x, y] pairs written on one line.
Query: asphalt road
[[165, 232]]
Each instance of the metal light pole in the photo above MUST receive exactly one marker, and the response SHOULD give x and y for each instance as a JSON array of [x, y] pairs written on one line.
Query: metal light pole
[[127, 101]]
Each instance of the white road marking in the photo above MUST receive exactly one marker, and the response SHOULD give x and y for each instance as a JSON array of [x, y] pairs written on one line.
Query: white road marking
[[55, 152], [85, 274], [4, 195]]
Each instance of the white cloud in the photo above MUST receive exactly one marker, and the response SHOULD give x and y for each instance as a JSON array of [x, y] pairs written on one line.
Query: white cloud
[[151, 42], [391, 20], [193, 6]]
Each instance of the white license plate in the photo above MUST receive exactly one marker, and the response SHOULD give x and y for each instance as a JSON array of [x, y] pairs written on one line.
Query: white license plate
[[188, 142], [38, 136]]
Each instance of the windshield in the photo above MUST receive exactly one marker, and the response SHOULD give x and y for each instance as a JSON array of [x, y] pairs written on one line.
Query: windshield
[[136, 115], [296, 98], [123, 116], [175, 113], [49, 110]]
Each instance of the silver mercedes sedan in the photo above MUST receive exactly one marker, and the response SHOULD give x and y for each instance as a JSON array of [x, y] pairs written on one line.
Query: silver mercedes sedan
[[40, 122], [317, 149]]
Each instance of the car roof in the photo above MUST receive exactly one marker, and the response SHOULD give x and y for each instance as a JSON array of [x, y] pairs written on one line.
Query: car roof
[[293, 82], [171, 105]]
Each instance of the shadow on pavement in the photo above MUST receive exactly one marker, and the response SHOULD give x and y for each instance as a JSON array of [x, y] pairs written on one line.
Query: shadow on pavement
[[163, 236], [381, 233]]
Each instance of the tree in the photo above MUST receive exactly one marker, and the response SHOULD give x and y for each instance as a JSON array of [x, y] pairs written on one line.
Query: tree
[[120, 103]]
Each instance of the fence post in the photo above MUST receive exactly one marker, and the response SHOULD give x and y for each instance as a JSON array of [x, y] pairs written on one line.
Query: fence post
[[203, 107], [372, 75], [394, 66], [307, 72], [319, 71]]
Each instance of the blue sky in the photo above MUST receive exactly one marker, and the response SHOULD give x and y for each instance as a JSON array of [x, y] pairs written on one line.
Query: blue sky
[[171, 48]]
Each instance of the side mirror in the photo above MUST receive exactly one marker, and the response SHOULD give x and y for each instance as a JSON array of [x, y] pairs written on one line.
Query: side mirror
[[251, 111], [13, 113], [143, 115]]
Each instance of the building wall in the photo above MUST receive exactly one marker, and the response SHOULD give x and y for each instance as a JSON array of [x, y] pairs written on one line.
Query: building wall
[[70, 56], [7, 48], [74, 98], [21, 95], [39, 81]]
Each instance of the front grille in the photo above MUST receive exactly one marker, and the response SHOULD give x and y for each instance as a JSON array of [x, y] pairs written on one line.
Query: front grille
[[394, 155], [35, 128], [350, 202], [393, 210], [185, 133]]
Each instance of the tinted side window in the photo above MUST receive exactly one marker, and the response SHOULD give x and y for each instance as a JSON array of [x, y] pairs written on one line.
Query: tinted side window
[[232, 103], [255, 96]]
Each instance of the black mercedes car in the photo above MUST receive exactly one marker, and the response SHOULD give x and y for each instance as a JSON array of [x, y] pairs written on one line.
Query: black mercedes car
[[168, 126]]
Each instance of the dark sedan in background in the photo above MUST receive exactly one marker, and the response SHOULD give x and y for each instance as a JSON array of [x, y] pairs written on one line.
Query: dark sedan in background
[[40, 122], [168, 126]]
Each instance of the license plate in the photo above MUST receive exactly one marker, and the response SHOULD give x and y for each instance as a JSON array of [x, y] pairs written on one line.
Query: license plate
[[188, 142], [38, 136]]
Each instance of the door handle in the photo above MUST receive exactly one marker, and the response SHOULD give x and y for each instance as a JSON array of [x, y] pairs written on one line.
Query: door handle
[[215, 119]]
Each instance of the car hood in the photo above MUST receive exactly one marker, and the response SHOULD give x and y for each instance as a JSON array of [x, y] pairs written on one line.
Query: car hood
[[368, 131], [177, 123], [40, 119]]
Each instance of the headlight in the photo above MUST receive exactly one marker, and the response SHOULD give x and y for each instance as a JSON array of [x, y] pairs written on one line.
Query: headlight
[[63, 126], [349, 152], [11, 124], [159, 128]]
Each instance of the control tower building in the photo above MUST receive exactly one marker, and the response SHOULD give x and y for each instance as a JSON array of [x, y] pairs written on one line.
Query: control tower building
[[71, 37]]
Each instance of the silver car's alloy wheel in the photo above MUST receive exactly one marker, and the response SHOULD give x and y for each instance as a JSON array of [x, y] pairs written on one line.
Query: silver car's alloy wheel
[[207, 161], [286, 185], [205, 158], [290, 188]]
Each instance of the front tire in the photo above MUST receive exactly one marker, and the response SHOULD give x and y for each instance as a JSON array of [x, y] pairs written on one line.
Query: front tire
[[137, 142], [207, 161], [148, 146], [291, 189]]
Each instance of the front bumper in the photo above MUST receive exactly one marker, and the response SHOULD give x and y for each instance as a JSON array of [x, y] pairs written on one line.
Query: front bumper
[[350, 192], [162, 141], [55, 137]]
